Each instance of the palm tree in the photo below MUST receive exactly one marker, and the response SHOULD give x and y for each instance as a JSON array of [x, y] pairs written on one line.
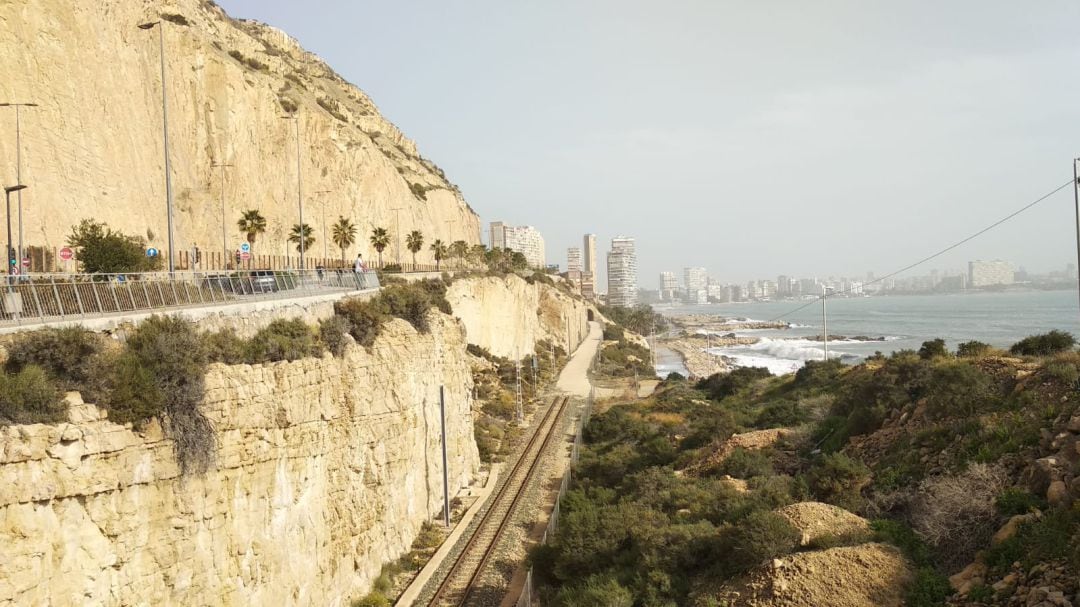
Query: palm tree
[[343, 233], [414, 242], [380, 239], [252, 223], [477, 254], [459, 250], [440, 250], [309, 236]]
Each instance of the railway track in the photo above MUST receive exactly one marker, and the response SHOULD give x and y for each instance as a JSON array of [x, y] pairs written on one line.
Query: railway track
[[470, 563]]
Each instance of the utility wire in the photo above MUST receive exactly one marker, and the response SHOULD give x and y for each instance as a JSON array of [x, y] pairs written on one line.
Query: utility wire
[[938, 254]]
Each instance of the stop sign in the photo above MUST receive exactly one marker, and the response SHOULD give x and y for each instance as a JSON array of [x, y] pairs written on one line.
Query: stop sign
[[66, 254]]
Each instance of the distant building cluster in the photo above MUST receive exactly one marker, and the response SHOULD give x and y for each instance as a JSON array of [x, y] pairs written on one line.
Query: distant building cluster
[[698, 288], [523, 239]]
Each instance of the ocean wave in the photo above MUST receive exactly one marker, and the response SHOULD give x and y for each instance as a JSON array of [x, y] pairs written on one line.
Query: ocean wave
[[780, 356]]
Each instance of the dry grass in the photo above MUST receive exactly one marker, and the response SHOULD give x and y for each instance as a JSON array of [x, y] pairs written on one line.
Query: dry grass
[[957, 513]]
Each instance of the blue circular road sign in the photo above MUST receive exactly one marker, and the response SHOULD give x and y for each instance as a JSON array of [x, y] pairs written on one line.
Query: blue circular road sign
[[151, 252], [245, 247]]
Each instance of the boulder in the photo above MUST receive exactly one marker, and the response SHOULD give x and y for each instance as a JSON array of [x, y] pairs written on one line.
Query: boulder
[[1057, 494]]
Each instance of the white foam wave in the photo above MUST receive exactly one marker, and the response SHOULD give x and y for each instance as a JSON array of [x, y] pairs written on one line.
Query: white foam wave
[[780, 356]]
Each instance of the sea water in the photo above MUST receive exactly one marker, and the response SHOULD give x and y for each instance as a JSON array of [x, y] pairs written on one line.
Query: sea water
[[905, 322]]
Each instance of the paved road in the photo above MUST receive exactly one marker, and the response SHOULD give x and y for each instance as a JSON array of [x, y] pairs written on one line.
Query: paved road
[[574, 378]]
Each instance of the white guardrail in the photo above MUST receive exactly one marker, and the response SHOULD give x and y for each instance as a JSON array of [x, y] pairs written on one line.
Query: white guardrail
[[52, 298]]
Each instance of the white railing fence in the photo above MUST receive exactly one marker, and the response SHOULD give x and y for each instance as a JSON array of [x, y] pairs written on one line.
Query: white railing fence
[[53, 298]]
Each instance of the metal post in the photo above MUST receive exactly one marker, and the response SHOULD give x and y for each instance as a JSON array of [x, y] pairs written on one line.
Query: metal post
[[168, 166], [11, 266], [445, 470], [18, 178], [825, 322], [224, 240], [1076, 198]]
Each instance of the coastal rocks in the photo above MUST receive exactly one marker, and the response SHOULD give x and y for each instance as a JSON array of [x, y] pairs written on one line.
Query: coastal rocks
[[1010, 528], [1050, 584], [971, 576], [326, 468]]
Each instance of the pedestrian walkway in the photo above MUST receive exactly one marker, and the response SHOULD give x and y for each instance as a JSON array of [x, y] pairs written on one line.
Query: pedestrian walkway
[[574, 378]]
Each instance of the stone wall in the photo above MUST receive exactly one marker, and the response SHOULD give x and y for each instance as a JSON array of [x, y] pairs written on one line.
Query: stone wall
[[508, 316], [326, 469]]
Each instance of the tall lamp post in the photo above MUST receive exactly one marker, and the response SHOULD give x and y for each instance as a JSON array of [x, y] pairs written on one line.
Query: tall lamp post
[[397, 230], [299, 197], [18, 163], [224, 240], [325, 252], [165, 130], [10, 252]]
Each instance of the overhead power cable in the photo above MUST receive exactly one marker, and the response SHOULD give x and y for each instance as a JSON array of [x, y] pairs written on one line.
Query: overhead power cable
[[935, 255]]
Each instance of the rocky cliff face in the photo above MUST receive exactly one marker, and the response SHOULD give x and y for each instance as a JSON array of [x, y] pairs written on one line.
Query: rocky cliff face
[[326, 469], [508, 316], [93, 147]]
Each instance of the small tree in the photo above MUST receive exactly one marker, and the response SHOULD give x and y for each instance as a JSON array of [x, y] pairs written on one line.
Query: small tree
[[933, 349], [104, 250], [1045, 344], [252, 223], [344, 235], [380, 239], [414, 241], [308, 236], [459, 250], [440, 251]]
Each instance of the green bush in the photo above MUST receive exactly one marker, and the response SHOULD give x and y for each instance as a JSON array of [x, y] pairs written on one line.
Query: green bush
[[410, 302], [958, 389], [1015, 501], [817, 373], [1063, 371], [614, 333], [174, 355], [933, 349], [781, 413], [365, 319], [332, 332], [721, 385], [744, 463], [373, 599], [104, 250], [972, 349], [226, 346], [283, 340], [29, 396], [133, 395], [69, 354], [761, 536], [1043, 345], [596, 591], [838, 479], [928, 589]]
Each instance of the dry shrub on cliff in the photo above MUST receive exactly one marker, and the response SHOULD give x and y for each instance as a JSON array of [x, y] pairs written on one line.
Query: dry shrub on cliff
[[69, 355], [958, 513], [226, 346], [365, 319], [163, 371], [30, 397], [283, 339], [332, 332]]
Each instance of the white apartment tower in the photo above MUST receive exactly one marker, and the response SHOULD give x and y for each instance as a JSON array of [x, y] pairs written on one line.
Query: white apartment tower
[[622, 272], [523, 239], [573, 259], [589, 254]]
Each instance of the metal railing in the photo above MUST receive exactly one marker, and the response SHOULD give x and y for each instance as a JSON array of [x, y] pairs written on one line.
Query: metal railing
[[525, 599], [52, 298]]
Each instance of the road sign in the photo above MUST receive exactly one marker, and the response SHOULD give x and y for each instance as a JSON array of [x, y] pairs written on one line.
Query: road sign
[[14, 271], [66, 254], [245, 247], [26, 262], [151, 252], [244, 256]]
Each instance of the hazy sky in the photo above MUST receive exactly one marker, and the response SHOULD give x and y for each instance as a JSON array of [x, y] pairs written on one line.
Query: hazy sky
[[754, 138]]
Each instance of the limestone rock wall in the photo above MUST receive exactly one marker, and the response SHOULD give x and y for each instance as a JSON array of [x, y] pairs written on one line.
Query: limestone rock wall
[[93, 147], [326, 469], [508, 316]]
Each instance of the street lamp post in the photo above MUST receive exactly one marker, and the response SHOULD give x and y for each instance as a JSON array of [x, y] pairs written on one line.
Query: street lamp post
[[299, 197], [10, 252], [165, 131], [397, 230], [18, 163], [325, 253], [224, 240]]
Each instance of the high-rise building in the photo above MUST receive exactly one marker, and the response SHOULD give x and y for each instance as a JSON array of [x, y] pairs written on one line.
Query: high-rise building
[[588, 286], [497, 240], [669, 286], [523, 239], [622, 272], [988, 273], [696, 279], [573, 259], [589, 254], [783, 286]]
